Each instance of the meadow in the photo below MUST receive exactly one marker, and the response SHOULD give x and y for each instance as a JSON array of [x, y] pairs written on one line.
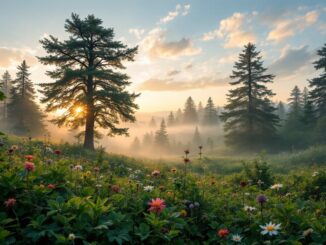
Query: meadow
[[63, 194]]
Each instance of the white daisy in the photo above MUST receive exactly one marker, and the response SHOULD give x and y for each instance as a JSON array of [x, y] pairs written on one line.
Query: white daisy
[[315, 174], [148, 188], [249, 208], [236, 238], [78, 167], [270, 229], [276, 186]]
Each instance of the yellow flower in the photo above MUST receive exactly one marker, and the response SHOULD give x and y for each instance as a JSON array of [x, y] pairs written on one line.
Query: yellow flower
[[183, 213]]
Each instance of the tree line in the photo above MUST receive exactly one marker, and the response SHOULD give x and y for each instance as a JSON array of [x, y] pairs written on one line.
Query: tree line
[[88, 83]]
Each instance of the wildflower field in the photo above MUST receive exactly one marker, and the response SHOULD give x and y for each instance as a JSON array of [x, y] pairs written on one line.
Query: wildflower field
[[60, 194]]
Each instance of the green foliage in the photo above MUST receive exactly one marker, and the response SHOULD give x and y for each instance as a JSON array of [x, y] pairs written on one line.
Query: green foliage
[[104, 201]]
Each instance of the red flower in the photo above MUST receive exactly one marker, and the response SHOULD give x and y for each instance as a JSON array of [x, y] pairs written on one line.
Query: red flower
[[115, 188], [57, 152], [243, 183], [29, 157], [223, 232], [29, 166], [156, 205], [51, 186], [10, 202]]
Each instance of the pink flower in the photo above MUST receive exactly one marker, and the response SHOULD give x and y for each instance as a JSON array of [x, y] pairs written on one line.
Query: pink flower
[[115, 188], [10, 202], [156, 173], [29, 157], [51, 186], [223, 232], [29, 166], [156, 205]]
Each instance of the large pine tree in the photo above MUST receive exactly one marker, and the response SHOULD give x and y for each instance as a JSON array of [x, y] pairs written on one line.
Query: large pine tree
[[210, 113], [5, 83], [308, 115], [318, 85], [250, 122], [24, 115], [161, 137], [87, 77], [295, 103], [190, 114]]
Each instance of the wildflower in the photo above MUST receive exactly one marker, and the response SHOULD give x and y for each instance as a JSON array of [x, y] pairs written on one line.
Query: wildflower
[[261, 199], [78, 167], [236, 238], [156, 173], [51, 186], [186, 152], [57, 152], [260, 182], [14, 147], [29, 166], [161, 187], [270, 229], [247, 194], [249, 208], [223, 233], [49, 161], [48, 149], [96, 169], [276, 186], [156, 205], [173, 170], [71, 237], [196, 204], [115, 188], [183, 213], [138, 171], [186, 160], [42, 186], [308, 232], [191, 206], [98, 186], [29, 157], [148, 188], [10, 202], [243, 183], [315, 174]]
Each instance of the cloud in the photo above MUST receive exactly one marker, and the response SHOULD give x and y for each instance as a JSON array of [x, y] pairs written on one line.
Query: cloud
[[291, 61], [286, 28], [137, 32], [232, 30], [179, 9], [170, 85], [156, 46], [173, 73], [14, 56], [228, 58]]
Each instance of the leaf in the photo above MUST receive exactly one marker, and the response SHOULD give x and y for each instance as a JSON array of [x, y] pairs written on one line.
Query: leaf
[[143, 231]]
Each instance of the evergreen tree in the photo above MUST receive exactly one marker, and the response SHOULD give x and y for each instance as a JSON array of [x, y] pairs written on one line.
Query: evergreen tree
[[5, 83], [190, 114], [295, 103], [210, 116], [171, 120], [308, 115], [87, 77], [281, 111], [152, 123], [200, 112], [24, 116], [250, 122], [161, 136], [179, 117], [197, 137], [318, 85], [135, 146], [147, 140]]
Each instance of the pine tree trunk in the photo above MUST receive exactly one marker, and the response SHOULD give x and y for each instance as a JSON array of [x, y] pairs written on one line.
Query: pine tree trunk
[[89, 132]]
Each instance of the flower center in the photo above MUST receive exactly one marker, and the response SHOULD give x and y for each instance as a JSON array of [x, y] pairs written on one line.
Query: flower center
[[270, 228]]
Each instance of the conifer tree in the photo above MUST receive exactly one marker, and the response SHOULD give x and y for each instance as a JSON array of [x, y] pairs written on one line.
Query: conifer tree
[[200, 112], [210, 113], [190, 114], [171, 120], [318, 85], [308, 115], [249, 116], [161, 136], [135, 146], [179, 117], [295, 103], [152, 123], [5, 83], [87, 76], [281, 111], [197, 137], [24, 115]]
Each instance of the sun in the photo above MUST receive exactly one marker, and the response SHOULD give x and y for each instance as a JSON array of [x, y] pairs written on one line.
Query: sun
[[78, 110]]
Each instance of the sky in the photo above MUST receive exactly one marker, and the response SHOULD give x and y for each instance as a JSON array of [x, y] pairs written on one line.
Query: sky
[[185, 48]]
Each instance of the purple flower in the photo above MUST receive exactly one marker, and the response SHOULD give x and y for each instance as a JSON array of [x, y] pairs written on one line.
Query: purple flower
[[191, 206], [261, 199]]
